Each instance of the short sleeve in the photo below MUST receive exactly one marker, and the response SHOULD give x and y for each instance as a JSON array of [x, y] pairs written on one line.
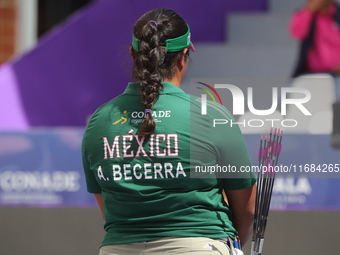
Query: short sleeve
[[90, 177], [232, 152]]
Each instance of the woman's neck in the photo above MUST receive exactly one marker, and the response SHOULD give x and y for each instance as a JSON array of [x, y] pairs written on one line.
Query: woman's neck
[[174, 81]]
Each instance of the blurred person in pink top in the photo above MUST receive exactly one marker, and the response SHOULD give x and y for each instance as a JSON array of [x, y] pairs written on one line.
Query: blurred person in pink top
[[317, 26]]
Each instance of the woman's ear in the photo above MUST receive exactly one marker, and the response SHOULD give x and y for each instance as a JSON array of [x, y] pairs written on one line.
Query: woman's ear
[[183, 59], [184, 52], [131, 50]]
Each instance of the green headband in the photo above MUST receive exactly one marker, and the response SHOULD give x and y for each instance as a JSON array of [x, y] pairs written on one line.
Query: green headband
[[171, 45]]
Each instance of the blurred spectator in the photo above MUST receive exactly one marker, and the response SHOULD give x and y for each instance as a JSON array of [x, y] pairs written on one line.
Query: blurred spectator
[[317, 26]]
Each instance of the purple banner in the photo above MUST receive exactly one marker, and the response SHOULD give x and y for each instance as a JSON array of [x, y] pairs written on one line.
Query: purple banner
[[84, 62], [12, 113]]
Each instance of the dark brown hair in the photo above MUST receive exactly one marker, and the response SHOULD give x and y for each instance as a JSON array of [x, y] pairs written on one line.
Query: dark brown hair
[[151, 64]]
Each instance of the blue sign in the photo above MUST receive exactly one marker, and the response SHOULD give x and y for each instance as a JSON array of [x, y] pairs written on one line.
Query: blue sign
[[42, 168], [308, 176]]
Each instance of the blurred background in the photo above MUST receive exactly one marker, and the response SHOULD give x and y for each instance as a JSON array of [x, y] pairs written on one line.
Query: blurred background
[[61, 59]]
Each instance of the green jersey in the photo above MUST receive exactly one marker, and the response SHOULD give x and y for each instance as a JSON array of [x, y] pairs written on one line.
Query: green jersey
[[148, 187]]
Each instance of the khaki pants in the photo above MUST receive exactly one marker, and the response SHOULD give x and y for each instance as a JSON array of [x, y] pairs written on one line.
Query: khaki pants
[[169, 246]]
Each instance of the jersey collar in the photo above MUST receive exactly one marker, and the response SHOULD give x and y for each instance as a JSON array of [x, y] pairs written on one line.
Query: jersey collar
[[168, 88]]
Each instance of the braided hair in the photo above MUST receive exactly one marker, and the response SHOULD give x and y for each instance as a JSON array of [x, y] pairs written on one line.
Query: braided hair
[[151, 64]]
